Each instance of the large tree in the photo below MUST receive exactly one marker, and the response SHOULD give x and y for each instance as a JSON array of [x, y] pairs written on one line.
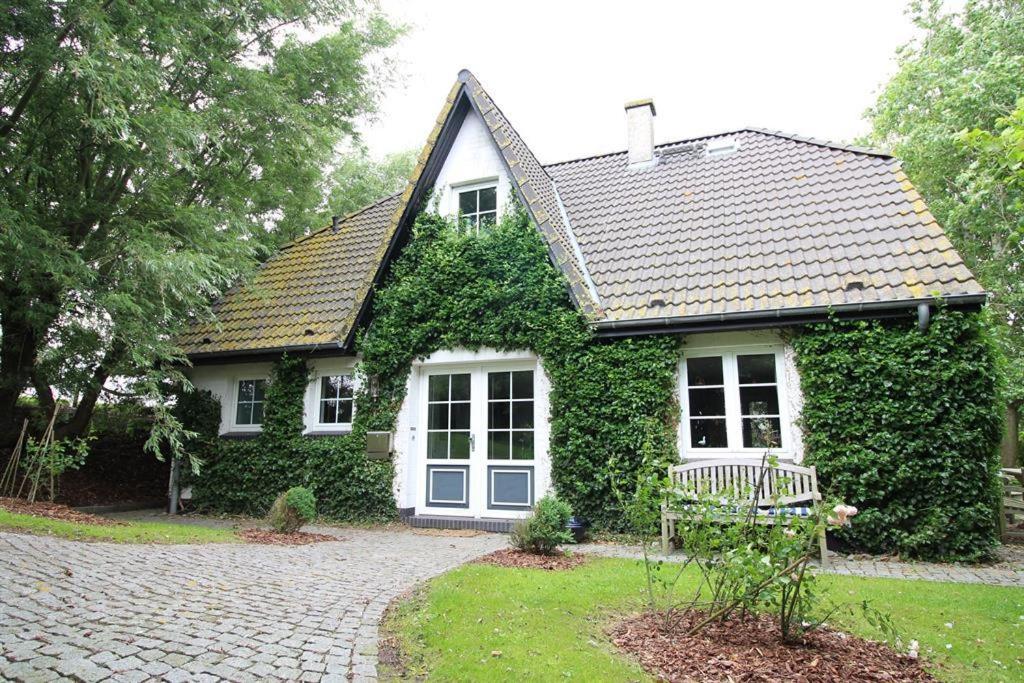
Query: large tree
[[358, 179], [948, 113], [151, 151]]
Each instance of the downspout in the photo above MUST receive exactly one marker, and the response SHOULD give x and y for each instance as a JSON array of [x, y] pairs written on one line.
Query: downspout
[[924, 316]]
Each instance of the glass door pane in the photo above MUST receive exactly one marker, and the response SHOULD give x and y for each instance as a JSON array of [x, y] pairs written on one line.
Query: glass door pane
[[510, 418], [448, 413]]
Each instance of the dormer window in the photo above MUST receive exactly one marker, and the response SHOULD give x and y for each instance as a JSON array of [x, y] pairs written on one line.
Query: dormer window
[[478, 207]]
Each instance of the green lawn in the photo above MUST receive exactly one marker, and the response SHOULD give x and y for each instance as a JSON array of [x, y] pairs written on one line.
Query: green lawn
[[550, 625], [132, 532]]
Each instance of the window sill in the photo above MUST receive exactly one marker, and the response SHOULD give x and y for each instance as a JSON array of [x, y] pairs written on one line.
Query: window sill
[[328, 432]]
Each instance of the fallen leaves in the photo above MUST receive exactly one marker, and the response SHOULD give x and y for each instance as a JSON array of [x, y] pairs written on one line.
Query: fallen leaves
[[266, 537], [518, 559], [53, 511], [751, 650]]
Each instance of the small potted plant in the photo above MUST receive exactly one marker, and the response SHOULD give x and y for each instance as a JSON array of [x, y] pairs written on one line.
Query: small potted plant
[[577, 526]]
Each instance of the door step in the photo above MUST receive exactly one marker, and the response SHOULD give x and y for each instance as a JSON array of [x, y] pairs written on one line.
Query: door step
[[501, 526]]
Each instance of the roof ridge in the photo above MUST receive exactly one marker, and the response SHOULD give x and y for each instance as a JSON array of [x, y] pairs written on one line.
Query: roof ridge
[[341, 219], [822, 143], [751, 129]]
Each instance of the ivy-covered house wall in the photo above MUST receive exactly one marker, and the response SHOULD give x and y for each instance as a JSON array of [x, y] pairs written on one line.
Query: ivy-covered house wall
[[906, 425], [449, 289], [901, 423]]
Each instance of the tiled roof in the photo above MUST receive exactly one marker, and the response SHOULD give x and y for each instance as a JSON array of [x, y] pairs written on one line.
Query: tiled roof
[[302, 295], [782, 224], [779, 223]]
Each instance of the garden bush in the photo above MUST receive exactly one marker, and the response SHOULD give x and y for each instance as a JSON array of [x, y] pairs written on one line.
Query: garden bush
[[292, 509], [906, 426], [542, 532]]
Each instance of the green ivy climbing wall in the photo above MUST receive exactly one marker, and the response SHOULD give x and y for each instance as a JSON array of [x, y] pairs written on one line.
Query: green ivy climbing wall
[[449, 289], [903, 424], [906, 425]]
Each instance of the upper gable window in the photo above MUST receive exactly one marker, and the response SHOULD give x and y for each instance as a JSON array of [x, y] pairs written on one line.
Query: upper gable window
[[478, 207]]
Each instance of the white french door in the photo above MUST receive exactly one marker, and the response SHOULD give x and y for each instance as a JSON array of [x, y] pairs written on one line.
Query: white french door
[[479, 443]]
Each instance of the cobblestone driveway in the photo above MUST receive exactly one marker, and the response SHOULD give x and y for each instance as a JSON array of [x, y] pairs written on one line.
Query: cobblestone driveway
[[89, 611]]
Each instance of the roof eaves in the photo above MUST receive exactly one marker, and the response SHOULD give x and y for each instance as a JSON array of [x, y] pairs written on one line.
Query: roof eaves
[[773, 317], [256, 351]]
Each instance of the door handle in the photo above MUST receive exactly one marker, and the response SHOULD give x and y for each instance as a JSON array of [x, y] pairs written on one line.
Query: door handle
[[472, 442]]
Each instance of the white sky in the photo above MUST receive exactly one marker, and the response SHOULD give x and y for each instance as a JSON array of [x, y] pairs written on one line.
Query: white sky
[[561, 70]]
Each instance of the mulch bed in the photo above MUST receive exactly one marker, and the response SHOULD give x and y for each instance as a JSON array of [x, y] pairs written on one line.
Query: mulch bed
[[267, 537], [751, 650], [54, 511], [518, 559]]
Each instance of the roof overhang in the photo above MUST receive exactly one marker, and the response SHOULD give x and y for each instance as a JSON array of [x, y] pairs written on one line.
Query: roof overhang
[[781, 317], [267, 354]]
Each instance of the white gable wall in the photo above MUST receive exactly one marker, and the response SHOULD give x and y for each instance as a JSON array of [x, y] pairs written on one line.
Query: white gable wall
[[472, 161]]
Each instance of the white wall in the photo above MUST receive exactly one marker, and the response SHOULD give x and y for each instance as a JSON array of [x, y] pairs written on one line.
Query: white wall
[[222, 382], [472, 160]]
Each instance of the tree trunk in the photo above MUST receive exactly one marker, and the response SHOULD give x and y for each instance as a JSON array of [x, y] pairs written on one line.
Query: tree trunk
[[18, 349], [1009, 449], [173, 489], [79, 422]]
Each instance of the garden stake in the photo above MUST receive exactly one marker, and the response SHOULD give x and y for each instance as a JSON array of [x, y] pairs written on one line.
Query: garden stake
[[11, 471]]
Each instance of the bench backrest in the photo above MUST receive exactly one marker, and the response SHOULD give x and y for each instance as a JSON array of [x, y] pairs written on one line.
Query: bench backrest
[[783, 484]]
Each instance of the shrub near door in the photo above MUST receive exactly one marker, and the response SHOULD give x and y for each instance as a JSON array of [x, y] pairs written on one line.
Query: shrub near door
[[291, 510]]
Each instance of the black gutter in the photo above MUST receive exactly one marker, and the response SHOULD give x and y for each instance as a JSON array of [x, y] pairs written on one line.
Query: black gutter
[[785, 317], [255, 355]]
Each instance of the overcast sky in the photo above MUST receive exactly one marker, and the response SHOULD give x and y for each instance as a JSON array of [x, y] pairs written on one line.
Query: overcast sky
[[561, 70]]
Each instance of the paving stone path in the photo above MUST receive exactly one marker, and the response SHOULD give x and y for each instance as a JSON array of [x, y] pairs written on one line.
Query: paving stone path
[[1008, 572], [93, 611]]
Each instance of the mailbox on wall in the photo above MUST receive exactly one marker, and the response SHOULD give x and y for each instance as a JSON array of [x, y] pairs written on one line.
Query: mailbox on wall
[[378, 445]]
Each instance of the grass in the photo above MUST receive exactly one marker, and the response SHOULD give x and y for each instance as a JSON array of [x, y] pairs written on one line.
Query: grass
[[482, 622], [131, 532]]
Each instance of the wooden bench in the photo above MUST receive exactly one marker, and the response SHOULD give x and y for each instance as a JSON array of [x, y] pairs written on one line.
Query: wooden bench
[[782, 492], [1012, 504]]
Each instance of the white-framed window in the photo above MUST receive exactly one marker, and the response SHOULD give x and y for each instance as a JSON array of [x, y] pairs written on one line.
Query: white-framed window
[[250, 398], [478, 205], [335, 400], [734, 402]]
